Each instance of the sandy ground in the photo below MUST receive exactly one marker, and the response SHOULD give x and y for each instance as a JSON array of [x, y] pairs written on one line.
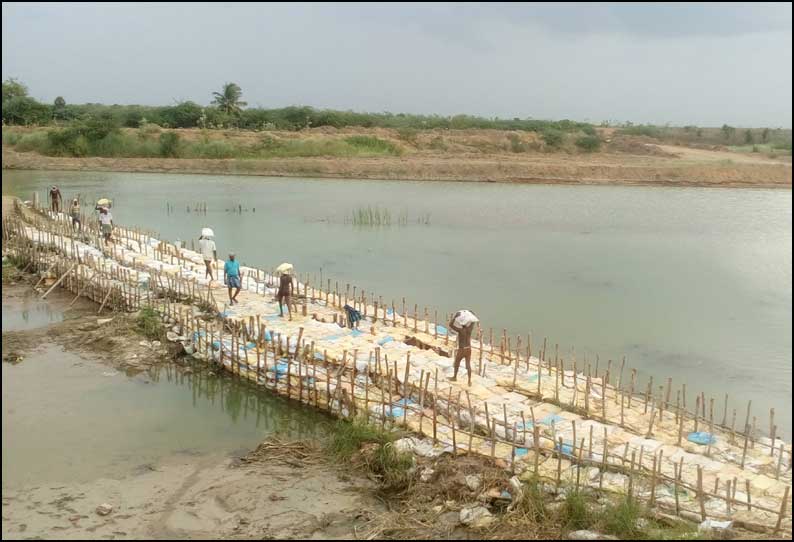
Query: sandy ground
[[642, 164], [194, 498]]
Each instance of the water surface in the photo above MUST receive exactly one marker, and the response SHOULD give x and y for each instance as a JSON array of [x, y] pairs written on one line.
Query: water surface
[[693, 283]]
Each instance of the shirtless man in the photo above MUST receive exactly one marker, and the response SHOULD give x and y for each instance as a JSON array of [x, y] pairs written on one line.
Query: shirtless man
[[55, 199], [285, 294], [464, 347]]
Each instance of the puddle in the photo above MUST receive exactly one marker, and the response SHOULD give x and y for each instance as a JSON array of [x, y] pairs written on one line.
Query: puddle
[[69, 419], [25, 311]]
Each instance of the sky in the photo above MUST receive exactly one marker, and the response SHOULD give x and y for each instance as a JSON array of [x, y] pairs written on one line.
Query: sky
[[702, 64]]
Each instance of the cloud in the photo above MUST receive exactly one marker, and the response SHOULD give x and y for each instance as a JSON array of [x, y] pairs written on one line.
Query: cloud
[[687, 64]]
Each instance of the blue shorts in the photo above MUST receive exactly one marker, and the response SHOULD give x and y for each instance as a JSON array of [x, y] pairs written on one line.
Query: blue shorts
[[234, 282]]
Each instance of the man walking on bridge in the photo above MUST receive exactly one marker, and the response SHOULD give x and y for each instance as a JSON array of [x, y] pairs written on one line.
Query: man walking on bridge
[[462, 323], [231, 276], [55, 199]]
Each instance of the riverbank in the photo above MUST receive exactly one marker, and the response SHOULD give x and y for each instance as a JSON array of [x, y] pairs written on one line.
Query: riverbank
[[448, 155]]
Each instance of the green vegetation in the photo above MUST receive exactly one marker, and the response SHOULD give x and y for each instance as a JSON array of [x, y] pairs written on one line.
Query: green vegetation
[[228, 100], [576, 513], [351, 438], [553, 138], [227, 111], [371, 217], [621, 519], [588, 143], [149, 324]]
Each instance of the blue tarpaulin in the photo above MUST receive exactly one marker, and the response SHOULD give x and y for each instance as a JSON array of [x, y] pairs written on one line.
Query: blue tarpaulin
[[701, 437]]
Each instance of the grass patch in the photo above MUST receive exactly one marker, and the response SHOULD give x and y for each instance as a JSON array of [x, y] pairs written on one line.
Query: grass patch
[[373, 449], [621, 519], [372, 145], [531, 506], [575, 512], [347, 437], [149, 324]]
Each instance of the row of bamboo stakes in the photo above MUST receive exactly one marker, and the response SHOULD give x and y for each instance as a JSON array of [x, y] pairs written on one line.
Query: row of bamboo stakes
[[126, 300]]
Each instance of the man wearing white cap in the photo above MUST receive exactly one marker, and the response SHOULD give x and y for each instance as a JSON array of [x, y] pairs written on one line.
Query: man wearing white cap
[[208, 252]]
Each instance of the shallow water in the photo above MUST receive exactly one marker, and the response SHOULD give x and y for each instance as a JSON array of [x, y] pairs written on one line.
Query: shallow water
[[691, 283], [71, 419]]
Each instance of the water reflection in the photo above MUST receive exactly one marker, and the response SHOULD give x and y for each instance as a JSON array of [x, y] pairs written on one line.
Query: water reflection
[[240, 399]]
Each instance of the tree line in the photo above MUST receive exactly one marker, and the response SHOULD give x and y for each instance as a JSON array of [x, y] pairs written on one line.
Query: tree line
[[227, 110]]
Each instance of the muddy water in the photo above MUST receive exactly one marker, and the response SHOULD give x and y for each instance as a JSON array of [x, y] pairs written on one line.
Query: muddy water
[[67, 418], [691, 283]]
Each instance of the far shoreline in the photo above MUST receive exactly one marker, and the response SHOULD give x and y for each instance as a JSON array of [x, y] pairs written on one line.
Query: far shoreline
[[454, 170]]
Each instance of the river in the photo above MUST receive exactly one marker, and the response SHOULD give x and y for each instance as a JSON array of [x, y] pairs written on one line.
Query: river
[[689, 283]]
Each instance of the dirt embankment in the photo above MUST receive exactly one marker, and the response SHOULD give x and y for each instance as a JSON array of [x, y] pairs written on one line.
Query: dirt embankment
[[461, 155]]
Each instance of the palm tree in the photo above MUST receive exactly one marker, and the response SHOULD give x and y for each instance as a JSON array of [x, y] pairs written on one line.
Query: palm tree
[[229, 99]]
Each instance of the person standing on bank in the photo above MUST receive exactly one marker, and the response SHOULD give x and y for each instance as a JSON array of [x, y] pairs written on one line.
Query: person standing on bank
[[231, 276]]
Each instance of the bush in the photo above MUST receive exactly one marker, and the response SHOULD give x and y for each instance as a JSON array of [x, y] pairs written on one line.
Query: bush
[[575, 513], [348, 435], [149, 324], [553, 138], [409, 135], [25, 110], [169, 144], [516, 145], [621, 519], [589, 143]]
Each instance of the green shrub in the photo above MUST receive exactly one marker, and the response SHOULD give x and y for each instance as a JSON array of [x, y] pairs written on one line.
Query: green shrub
[[149, 324], [588, 143], [575, 513], [34, 141], [621, 519], [516, 145], [553, 138], [408, 134], [169, 144], [347, 436]]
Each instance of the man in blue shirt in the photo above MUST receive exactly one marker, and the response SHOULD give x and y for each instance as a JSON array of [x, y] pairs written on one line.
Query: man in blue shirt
[[231, 276]]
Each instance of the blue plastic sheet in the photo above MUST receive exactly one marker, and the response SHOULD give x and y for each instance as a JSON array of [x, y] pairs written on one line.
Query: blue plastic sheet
[[566, 448], [356, 333], [701, 437], [552, 419], [521, 451], [385, 340], [442, 330]]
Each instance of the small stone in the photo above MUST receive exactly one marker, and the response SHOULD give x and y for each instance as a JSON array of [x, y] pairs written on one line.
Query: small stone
[[104, 509], [476, 516], [101, 321], [427, 474], [473, 482]]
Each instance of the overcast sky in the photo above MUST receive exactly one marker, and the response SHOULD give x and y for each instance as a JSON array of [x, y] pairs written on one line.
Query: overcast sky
[[704, 64]]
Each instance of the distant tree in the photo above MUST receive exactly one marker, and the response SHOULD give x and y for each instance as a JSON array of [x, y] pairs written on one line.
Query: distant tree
[[765, 135], [748, 136], [727, 132], [13, 89], [228, 100], [59, 108]]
